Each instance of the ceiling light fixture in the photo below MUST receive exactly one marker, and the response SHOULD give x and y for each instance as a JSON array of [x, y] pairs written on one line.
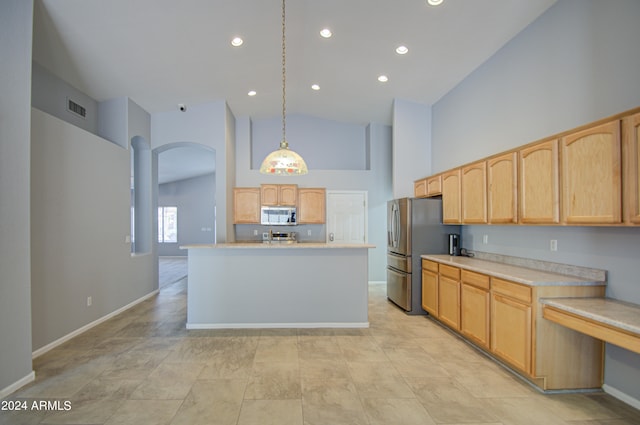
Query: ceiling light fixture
[[252, 93], [434, 2], [326, 33], [402, 50], [315, 87], [383, 78], [237, 42], [283, 161]]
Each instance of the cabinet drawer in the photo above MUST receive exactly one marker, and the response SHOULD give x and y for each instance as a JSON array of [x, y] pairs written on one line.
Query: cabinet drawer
[[452, 272], [475, 279], [430, 265], [511, 289]]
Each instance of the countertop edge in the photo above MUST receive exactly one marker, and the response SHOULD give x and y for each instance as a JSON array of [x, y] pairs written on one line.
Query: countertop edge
[[512, 273], [254, 245]]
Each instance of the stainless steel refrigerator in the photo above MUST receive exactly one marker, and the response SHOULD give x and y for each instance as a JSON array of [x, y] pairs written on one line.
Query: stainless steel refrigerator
[[414, 228]]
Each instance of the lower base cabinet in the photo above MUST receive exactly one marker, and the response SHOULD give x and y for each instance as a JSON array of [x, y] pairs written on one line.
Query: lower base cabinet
[[430, 287], [504, 318]]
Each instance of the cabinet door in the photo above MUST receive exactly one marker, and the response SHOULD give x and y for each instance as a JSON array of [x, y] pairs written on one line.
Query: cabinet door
[[474, 193], [502, 179], [311, 206], [591, 176], [288, 194], [511, 331], [449, 301], [269, 194], [451, 197], [538, 196], [632, 169], [420, 188], [246, 205], [474, 314], [430, 292], [434, 185]]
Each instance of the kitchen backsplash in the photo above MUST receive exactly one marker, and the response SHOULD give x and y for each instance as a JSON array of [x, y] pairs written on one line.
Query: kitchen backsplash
[[304, 232]]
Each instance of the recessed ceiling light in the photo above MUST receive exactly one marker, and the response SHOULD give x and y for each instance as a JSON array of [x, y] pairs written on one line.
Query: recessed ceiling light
[[252, 93], [383, 78], [326, 33], [434, 2], [402, 50], [237, 41], [315, 87]]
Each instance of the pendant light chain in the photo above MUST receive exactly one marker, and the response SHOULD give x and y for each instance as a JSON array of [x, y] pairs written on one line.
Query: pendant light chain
[[284, 74]]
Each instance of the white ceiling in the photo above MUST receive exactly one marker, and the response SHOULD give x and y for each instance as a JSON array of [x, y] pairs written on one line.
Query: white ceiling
[[161, 53], [164, 52]]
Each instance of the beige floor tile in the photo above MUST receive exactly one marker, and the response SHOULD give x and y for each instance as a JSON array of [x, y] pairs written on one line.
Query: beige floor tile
[[522, 411], [145, 412], [277, 349], [396, 411], [229, 365], [85, 412], [215, 401], [360, 348], [324, 369], [374, 370], [318, 348], [572, 407], [107, 389], [133, 365], [271, 412], [384, 388], [274, 381], [334, 402]]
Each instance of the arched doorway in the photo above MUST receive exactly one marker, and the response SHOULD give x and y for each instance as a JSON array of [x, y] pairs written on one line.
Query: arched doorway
[[186, 202]]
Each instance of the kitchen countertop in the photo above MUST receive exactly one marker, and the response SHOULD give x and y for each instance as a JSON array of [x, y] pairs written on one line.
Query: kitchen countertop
[[524, 275], [277, 245], [615, 313]]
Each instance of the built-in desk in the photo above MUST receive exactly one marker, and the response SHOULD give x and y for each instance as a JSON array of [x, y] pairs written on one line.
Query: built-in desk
[[609, 320]]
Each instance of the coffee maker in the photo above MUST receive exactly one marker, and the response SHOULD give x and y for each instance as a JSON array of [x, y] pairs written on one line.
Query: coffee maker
[[454, 244]]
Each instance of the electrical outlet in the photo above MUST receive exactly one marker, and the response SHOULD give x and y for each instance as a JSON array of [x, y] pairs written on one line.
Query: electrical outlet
[[255, 232], [553, 245], [309, 232], [485, 239], [89, 301]]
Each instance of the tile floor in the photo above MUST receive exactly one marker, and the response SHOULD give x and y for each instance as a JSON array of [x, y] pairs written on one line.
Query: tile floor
[[143, 367]]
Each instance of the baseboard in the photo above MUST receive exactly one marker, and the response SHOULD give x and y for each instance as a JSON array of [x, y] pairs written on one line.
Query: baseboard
[[60, 341], [277, 325], [614, 392], [17, 385]]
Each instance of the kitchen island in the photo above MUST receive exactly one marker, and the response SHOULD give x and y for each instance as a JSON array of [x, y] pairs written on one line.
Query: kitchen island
[[263, 285]]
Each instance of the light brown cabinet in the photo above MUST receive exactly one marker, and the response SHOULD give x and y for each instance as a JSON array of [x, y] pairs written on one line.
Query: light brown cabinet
[[591, 175], [311, 206], [631, 198], [451, 210], [279, 194], [434, 185], [502, 189], [420, 188], [449, 296], [511, 323], [474, 307], [539, 187], [473, 188], [246, 205], [430, 287]]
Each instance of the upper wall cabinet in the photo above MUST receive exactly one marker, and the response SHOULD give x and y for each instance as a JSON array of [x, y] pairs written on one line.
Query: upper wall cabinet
[[631, 131], [312, 206], [246, 205], [473, 189], [451, 197], [279, 194], [429, 186], [420, 188], [591, 175], [502, 188], [539, 188]]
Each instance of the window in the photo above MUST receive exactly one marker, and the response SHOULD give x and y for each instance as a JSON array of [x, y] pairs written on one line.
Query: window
[[167, 224]]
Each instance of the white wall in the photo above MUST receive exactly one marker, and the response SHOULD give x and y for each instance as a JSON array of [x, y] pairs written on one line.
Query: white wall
[[80, 216], [577, 63], [376, 180], [15, 243]]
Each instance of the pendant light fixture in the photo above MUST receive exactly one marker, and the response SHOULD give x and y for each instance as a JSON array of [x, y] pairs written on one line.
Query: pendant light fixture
[[283, 161]]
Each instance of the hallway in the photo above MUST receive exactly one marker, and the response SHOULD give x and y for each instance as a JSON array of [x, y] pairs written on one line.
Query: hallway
[[143, 367]]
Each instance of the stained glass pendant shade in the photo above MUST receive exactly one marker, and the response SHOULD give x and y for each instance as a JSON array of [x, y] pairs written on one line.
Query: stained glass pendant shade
[[283, 161]]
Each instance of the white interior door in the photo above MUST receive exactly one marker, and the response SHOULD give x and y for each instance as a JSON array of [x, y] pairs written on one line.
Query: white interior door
[[346, 217]]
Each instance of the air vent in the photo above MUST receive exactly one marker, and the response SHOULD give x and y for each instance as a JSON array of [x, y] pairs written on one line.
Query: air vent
[[76, 108]]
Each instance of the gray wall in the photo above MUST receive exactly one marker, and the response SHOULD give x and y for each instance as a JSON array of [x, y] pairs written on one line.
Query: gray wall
[[195, 199], [577, 63], [80, 218], [376, 180], [15, 243]]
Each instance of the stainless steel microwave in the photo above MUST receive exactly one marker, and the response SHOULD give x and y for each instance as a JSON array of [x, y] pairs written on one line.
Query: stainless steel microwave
[[278, 216]]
